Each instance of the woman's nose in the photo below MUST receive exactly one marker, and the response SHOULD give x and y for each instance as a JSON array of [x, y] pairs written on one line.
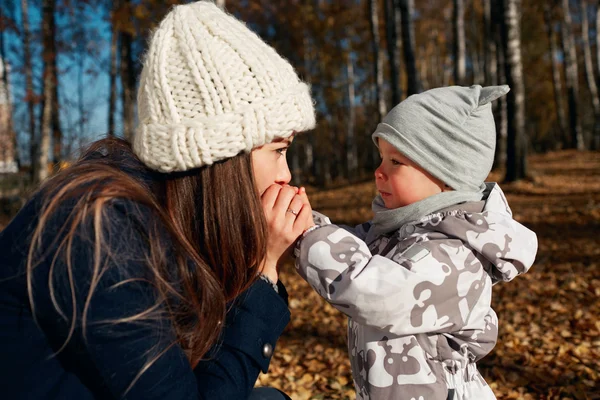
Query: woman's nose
[[284, 175]]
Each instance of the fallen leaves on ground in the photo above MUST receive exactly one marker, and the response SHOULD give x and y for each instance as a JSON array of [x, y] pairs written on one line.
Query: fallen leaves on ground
[[549, 340]]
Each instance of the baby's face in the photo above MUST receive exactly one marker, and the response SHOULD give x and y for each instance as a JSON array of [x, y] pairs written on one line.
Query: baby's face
[[400, 181]]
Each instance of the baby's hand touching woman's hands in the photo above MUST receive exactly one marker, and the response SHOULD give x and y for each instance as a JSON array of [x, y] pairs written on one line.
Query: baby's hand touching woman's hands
[[288, 214]]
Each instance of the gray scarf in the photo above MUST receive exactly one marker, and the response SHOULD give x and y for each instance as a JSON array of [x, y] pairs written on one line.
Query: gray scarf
[[388, 220]]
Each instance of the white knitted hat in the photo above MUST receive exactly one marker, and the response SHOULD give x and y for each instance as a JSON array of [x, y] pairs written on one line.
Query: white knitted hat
[[210, 88]]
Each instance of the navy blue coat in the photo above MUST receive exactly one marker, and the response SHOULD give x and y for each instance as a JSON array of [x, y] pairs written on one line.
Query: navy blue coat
[[105, 365]]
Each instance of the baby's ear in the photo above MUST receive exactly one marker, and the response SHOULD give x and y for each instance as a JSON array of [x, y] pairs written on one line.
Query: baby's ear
[[491, 93]]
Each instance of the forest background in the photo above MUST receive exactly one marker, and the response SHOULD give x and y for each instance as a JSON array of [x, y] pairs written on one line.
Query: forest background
[[69, 75]]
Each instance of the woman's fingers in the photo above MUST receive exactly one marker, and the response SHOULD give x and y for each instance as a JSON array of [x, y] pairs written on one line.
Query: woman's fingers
[[288, 213], [293, 209], [301, 222], [308, 219], [284, 198], [269, 197]]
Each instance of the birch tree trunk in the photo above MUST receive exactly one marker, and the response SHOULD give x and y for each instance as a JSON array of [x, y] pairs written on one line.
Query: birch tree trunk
[[49, 81], [408, 45], [30, 95], [589, 71], [478, 68], [377, 57], [220, 4], [516, 143], [112, 100], [556, 78], [458, 45], [572, 78], [392, 25]]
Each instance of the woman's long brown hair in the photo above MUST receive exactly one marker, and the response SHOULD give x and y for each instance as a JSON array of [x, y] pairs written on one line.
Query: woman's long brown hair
[[212, 217]]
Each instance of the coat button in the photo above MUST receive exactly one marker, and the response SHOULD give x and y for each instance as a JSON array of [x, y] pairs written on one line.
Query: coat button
[[267, 350]]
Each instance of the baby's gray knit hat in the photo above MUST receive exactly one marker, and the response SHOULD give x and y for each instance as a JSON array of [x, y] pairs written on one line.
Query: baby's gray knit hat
[[449, 132]]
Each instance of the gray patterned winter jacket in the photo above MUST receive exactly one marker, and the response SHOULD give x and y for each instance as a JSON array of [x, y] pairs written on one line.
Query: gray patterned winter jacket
[[419, 298]]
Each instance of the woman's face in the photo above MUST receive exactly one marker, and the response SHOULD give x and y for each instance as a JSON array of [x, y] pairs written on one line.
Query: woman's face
[[269, 164]]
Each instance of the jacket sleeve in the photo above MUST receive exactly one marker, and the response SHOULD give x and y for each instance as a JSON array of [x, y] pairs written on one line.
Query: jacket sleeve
[[426, 289], [253, 325], [114, 349], [359, 231]]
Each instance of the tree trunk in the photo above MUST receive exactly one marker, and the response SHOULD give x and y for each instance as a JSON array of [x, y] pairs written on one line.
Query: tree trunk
[[490, 58], [30, 95], [408, 45], [458, 23], [351, 156], [556, 78], [112, 100], [49, 81], [127, 80], [128, 85], [56, 130], [589, 70], [220, 3], [477, 50], [595, 145], [572, 78], [309, 159], [377, 57], [11, 153], [80, 86], [392, 24], [478, 68], [597, 37], [424, 68], [437, 62], [516, 143], [500, 106]]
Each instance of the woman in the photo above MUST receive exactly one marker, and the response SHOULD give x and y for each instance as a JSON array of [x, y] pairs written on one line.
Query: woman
[[149, 271]]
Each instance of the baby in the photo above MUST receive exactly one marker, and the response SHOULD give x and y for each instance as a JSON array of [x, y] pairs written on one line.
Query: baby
[[416, 281]]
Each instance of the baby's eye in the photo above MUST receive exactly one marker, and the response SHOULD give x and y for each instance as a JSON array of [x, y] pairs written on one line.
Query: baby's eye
[[395, 162]]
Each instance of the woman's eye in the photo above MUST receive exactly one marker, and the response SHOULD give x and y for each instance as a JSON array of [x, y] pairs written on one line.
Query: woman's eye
[[282, 150]]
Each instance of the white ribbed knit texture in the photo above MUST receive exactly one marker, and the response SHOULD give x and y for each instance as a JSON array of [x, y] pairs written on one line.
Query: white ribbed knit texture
[[210, 88]]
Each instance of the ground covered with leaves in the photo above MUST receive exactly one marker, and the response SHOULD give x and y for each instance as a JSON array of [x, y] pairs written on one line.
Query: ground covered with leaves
[[549, 340]]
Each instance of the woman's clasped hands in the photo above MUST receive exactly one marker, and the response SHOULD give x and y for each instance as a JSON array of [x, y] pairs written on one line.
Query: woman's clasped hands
[[288, 214]]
